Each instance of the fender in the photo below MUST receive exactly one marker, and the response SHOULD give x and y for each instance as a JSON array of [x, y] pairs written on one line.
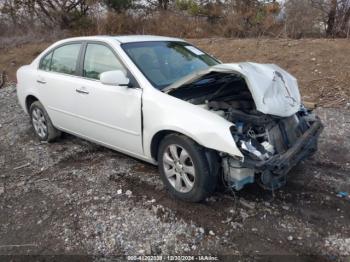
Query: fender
[[164, 112], [25, 88]]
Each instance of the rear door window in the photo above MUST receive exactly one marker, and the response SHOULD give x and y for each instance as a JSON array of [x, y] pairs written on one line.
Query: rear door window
[[46, 62], [65, 58]]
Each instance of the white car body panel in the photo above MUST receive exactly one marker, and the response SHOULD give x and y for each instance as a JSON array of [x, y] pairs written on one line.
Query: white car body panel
[[145, 111], [57, 94], [274, 90], [163, 112]]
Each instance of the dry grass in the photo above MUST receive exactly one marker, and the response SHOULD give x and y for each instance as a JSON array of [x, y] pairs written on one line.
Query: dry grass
[[322, 66], [13, 58]]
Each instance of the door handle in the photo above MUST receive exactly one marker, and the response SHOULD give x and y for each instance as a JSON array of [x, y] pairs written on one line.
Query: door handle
[[82, 91], [41, 81]]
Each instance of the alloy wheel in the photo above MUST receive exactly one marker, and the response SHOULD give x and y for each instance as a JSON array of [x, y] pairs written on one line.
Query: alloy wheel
[[179, 168], [39, 122]]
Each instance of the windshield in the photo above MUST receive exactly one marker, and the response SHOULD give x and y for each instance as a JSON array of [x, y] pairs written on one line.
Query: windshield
[[163, 63]]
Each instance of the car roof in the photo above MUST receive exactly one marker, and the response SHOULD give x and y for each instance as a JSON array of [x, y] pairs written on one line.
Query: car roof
[[127, 38], [143, 38]]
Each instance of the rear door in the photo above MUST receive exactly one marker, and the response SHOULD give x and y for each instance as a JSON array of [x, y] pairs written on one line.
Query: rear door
[[57, 81], [108, 114]]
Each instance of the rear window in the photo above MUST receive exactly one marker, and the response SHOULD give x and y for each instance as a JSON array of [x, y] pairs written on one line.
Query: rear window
[[63, 59], [46, 62]]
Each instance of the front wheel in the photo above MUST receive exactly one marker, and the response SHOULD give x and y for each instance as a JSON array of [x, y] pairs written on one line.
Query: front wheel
[[184, 169]]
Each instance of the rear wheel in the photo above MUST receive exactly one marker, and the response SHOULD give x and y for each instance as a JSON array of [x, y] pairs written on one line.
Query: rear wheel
[[184, 169], [42, 124]]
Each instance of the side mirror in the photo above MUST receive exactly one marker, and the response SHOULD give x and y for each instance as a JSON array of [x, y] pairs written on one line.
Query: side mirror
[[114, 78]]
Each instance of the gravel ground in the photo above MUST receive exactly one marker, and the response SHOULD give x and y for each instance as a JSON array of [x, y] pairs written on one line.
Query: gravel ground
[[74, 197]]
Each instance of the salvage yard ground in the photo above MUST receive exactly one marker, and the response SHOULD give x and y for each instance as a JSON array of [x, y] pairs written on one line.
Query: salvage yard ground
[[74, 197]]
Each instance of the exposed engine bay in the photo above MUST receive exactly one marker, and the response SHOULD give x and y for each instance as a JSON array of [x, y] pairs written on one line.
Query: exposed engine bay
[[261, 138]]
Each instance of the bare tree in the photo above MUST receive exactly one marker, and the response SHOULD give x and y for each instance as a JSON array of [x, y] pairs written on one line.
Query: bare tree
[[336, 15], [61, 12], [302, 19], [52, 13], [158, 4]]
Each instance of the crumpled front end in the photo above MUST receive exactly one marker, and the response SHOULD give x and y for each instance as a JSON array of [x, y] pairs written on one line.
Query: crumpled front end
[[268, 159], [270, 127], [273, 90]]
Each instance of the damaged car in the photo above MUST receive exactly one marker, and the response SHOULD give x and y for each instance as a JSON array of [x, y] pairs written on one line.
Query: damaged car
[[164, 101]]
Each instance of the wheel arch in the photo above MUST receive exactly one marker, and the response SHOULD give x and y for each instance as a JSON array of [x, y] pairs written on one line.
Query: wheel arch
[[209, 158], [30, 99], [211, 154], [157, 138]]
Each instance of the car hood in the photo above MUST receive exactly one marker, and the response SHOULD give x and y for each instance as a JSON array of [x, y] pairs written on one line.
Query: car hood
[[274, 90]]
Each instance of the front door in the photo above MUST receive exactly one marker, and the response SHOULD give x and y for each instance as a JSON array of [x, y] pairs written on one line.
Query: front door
[[110, 115]]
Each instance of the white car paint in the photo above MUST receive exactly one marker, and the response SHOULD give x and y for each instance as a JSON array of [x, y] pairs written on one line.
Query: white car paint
[[127, 119]]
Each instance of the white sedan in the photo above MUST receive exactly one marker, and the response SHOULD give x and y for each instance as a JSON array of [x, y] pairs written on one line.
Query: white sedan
[[164, 101]]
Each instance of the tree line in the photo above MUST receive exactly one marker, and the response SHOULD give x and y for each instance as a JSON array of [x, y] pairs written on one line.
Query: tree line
[[185, 18]]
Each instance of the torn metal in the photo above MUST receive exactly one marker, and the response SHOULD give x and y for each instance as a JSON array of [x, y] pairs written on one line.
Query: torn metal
[[270, 127], [274, 90]]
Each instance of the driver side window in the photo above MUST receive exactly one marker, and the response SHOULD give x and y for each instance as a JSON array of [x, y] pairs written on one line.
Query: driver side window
[[99, 59]]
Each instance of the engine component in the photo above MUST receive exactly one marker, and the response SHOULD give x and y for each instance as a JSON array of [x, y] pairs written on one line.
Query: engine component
[[256, 119], [275, 137], [249, 147], [235, 175], [218, 112], [268, 147], [239, 126]]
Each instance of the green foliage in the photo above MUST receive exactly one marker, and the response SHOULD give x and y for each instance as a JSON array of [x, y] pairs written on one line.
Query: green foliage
[[190, 6], [119, 5], [260, 16]]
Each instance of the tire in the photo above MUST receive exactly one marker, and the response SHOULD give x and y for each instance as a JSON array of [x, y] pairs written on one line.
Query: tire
[[176, 171], [42, 124]]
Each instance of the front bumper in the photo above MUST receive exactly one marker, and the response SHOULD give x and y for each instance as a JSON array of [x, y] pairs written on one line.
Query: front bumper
[[281, 164]]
